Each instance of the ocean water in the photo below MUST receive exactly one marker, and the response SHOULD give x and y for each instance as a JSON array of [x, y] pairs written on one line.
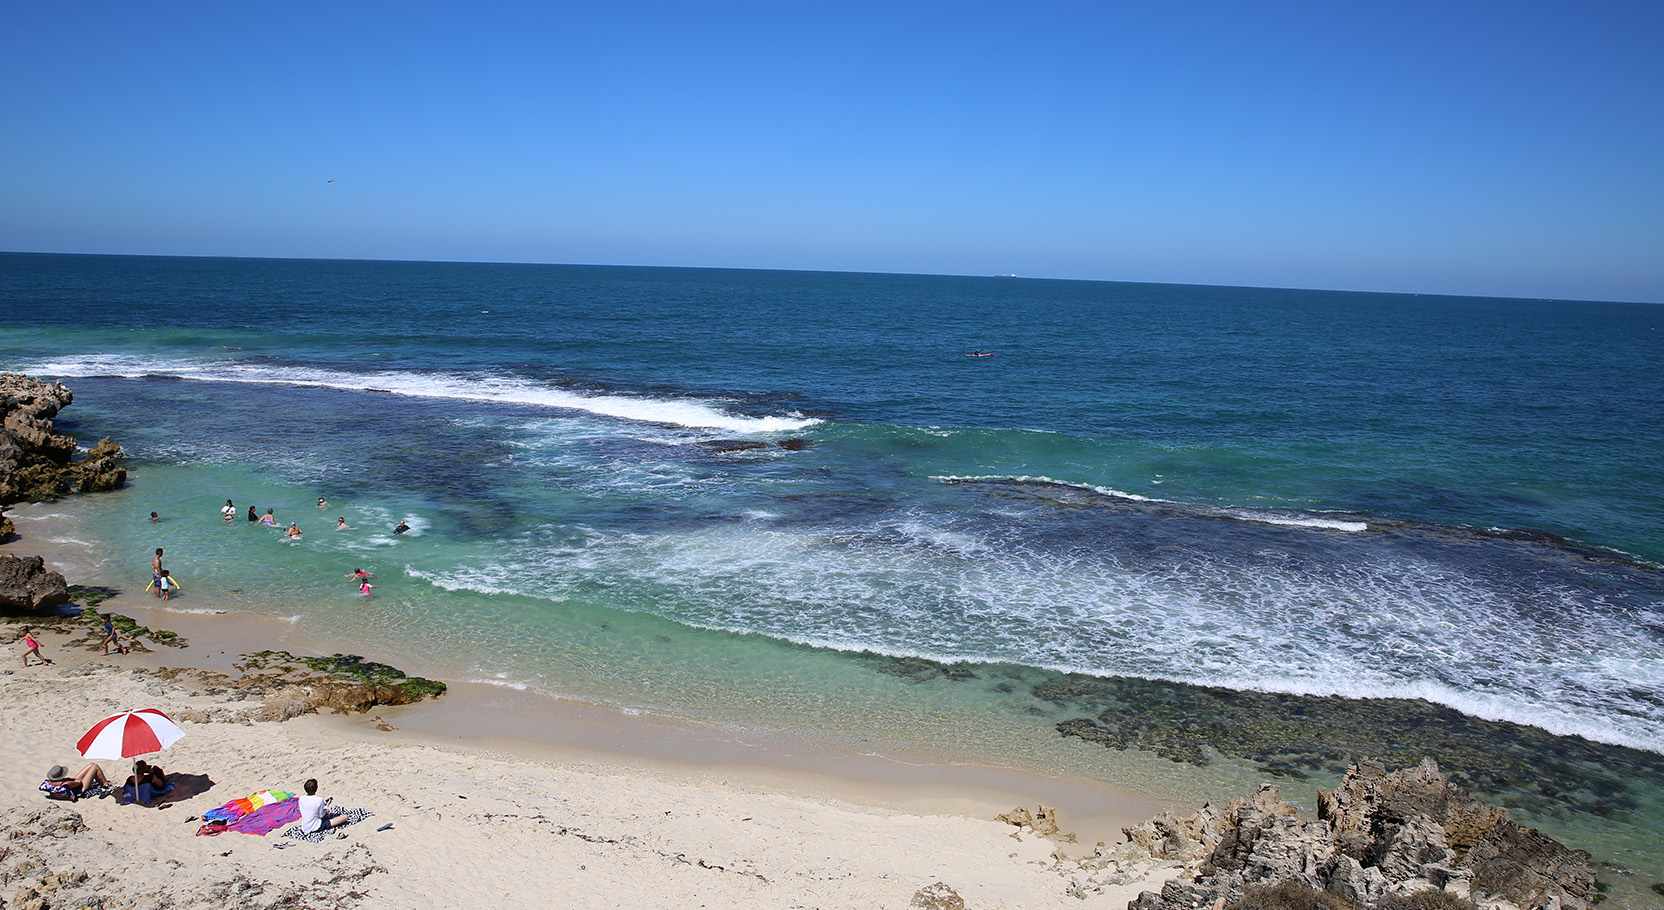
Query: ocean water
[[1162, 517]]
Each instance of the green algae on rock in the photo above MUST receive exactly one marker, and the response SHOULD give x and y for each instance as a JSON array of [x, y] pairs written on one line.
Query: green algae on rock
[[349, 667]]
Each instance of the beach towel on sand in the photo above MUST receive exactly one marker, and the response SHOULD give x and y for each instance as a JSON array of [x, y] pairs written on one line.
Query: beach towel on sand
[[260, 822], [317, 837], [238, 808]]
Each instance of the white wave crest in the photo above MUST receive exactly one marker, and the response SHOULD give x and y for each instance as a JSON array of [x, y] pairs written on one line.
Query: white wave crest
[[500, 389]]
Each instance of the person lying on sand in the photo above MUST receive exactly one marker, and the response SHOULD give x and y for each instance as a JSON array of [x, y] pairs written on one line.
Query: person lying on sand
[[60, 785]]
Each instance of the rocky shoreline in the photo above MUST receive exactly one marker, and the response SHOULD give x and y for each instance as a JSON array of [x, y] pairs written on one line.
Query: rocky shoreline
[[37, 464]]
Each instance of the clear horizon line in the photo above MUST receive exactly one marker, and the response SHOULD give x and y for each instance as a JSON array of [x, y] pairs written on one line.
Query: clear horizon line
[[719, 268]]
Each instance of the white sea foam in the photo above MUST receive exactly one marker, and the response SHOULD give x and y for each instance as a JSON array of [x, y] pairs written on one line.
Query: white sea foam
[[1288, 518], [503, 389], [1401, 628]]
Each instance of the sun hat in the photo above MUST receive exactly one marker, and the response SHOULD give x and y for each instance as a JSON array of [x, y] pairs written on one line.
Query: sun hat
[[57, 772]]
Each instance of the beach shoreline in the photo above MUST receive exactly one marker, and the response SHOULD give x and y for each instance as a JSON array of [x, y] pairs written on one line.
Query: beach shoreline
[[869, 820], [515, 721]]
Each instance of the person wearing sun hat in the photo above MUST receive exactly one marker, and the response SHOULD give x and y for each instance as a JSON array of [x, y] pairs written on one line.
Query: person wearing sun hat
[[59, 785]]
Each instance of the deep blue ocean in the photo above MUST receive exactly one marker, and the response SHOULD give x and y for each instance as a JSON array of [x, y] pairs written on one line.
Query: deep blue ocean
[[791, 500]]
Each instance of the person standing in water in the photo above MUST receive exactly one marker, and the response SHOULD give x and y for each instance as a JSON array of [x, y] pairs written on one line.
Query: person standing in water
[[156, 572], [251, 516], [229, 512]]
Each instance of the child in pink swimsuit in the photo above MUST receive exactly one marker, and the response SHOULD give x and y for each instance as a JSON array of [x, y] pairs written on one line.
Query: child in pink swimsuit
[[30, 646]]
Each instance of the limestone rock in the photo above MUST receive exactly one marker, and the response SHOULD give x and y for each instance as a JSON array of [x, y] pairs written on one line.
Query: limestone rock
[[1378, 838], [27, 587], [1042, 822], [101, 471], [35, 461], [937, 896]]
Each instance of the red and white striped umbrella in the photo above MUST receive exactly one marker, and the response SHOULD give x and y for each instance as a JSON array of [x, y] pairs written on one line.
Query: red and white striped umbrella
[[129, 734]]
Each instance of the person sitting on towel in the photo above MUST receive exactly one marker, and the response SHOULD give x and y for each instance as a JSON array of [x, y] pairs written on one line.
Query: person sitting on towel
[[148, 782], [314, 811]]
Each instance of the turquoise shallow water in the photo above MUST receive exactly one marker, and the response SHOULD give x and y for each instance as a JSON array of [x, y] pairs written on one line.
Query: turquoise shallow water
[[1285, 492]]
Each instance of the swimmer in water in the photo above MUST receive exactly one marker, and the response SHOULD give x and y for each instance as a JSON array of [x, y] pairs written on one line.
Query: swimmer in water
[[401, 528], [340, 524], [322, 504], [293, 533], [360, 575]]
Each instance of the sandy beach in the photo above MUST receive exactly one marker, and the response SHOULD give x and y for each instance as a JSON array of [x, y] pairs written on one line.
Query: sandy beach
[[589, 807]]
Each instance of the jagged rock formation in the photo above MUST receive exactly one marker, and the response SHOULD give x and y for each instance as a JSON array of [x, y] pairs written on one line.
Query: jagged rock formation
[[27, 587], [1378, 839], [35, 462]]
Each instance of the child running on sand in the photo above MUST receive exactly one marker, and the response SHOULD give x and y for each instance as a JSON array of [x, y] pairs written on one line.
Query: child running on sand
[[30, 646], [111, 637]]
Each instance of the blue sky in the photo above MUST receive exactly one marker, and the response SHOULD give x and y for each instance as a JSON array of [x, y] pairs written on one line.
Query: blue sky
[[1493, 148]]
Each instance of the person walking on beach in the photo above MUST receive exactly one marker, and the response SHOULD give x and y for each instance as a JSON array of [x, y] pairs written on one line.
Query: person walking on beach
[[111, 637], [30, 646], [156, 572]]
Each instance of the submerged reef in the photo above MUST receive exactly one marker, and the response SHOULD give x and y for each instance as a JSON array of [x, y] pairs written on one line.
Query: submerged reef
[[1293, 736]]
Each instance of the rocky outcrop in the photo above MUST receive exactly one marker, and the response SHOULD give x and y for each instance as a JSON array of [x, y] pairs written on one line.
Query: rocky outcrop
[[27, 587], [35, 462], [1378, 840]]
